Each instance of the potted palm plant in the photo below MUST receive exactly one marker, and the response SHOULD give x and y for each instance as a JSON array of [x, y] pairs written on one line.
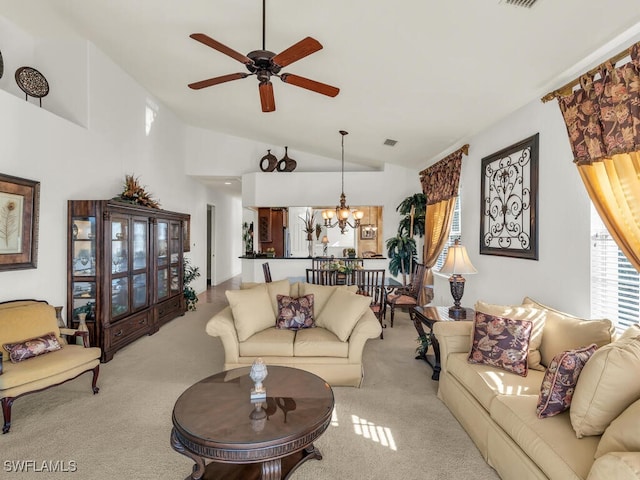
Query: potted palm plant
[[402, 252]]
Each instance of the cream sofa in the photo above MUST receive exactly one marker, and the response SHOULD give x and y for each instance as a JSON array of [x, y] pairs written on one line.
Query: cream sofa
[[498, 409], [332, 350], [28, 319]]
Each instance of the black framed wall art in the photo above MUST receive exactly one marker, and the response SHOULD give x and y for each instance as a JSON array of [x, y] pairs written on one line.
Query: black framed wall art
[[509, 201]]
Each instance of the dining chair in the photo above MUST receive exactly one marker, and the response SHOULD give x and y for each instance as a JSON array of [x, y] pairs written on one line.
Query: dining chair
[[267, 272], [370, 283], [405, 296], [321, 276]]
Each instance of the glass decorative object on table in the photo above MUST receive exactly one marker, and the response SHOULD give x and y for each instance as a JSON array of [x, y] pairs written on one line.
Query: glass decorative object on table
[[258, 373]]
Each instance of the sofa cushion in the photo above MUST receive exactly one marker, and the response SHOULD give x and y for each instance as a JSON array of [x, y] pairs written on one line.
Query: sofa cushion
[[607, 385], [486, 382], [272, 342], [501, 342], [32, 347], [342, 312], [550, 443], [560, 381], [27, 320], [43, 366], [252, 310], [563, 332], [295, 313], [632, 331], [522, 312], [279, 287], [321, 294], [319, 342], [622, 435]]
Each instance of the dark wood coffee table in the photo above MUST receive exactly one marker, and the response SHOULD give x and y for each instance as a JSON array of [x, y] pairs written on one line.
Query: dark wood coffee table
[[215, 419], [428, 315]]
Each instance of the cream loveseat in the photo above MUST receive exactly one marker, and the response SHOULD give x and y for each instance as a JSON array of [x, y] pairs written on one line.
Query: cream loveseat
[[332, 350], [498, 408], [23, 324]]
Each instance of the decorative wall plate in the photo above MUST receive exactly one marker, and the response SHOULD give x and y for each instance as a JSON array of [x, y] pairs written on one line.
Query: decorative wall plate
[[32, 82]]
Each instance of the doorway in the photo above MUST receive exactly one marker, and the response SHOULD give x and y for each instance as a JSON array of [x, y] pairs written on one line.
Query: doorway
[[211, 240]]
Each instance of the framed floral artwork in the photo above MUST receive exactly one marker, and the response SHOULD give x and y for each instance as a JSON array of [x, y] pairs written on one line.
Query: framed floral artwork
[[509, 201], [19, 213]]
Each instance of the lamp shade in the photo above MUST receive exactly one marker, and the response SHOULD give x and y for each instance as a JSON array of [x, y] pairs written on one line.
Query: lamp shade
[[457, 262], [325, 239]]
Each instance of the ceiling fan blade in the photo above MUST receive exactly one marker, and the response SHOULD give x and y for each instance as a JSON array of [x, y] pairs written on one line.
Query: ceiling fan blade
[[266, 97], [217, 80], [295, 52], [210, 42], [312, 85]]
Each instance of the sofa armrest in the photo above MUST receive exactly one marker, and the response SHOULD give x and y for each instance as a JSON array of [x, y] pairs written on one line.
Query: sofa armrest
[[221, 325], [71, 332], [367, 327], [618, 465], [453, 337]]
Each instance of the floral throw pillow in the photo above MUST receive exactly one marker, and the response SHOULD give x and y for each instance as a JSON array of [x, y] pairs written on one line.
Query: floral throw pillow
[[560, 381], [501, 342], [32, 347], [295, 313]]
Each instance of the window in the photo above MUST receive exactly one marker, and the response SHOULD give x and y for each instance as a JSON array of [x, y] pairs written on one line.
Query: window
[[615, 284], [454, 234]]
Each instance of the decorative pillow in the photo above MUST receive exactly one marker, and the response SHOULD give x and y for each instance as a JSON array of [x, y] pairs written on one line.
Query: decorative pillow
[[279, 287], [622, 434], [342, 312], [252, 311], [501, 342], [32, 347], [631, 332], [535, 315], [560, 381], [607, 385], [295, 313], [564, 332]]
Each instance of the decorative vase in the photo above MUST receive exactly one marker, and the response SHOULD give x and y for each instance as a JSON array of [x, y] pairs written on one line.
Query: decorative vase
[[287, 164], [82, 326], [310, 248], [272, 162]]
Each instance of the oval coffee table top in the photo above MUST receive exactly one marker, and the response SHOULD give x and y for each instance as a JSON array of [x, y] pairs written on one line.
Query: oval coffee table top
[[215, 417]]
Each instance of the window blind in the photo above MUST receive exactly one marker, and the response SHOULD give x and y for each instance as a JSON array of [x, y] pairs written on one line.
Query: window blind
[[615, 284]]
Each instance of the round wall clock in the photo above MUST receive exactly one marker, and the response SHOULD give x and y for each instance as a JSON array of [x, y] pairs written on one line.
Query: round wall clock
[[32, 82]]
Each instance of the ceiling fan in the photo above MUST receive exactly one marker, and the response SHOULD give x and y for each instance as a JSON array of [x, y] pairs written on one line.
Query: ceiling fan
[[265, 64]]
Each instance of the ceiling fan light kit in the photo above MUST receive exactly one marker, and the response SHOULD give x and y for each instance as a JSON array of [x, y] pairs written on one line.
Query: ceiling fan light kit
[[264, 65]]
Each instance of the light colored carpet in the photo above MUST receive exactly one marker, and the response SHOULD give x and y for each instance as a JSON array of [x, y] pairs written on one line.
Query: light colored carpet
[[393, 427]]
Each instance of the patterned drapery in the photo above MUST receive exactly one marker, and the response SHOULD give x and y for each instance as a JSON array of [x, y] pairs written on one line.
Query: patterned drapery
[[603, 123], [440, 185]]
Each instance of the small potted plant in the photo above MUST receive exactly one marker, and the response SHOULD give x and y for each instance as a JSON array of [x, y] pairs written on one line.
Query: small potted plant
[[271, 252], [351, 252]]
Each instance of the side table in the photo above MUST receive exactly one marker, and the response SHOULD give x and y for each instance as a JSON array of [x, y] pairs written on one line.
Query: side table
[[428, 315]]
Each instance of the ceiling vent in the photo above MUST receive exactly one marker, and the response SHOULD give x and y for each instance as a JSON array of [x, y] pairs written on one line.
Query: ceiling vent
[[520, 3], [390, 143]]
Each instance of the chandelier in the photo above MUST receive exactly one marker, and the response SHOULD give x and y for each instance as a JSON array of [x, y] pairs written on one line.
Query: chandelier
[[342, 211]]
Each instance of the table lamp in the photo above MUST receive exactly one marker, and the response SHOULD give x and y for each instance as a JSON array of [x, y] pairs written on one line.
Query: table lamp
[[456, 264], [325, 243]]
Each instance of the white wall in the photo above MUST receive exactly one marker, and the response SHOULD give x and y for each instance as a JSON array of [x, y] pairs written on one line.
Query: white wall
[[74, 162], [560, 277]]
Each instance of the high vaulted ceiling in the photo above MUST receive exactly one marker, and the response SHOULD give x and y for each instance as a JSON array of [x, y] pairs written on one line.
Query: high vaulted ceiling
[[427, 74]]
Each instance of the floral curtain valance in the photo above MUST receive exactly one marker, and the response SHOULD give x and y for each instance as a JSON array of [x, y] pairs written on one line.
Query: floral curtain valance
[[603, 116], [440, 180]]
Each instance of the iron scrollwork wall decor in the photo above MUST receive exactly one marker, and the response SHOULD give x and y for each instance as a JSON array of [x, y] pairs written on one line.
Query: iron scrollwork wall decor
[[509, 198]]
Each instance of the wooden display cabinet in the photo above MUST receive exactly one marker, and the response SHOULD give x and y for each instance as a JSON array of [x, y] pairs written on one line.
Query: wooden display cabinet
[[124, 270]]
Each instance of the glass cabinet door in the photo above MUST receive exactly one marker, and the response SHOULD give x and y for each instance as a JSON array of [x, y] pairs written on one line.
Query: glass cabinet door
[[83, 268], [119, 246], [140, 243], [163, 280], [163, 243], [119, 296]]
